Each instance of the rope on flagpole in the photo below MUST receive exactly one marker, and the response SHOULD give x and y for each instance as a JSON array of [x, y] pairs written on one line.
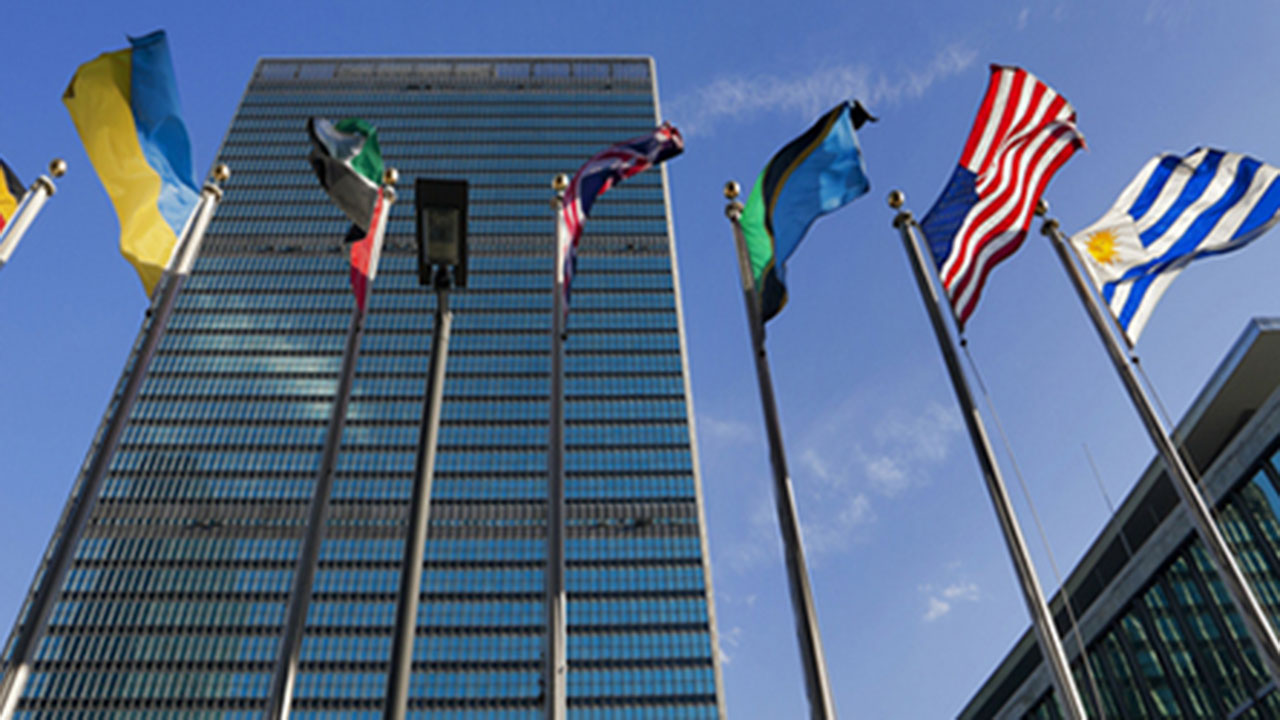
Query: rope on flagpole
[[1044, 536]]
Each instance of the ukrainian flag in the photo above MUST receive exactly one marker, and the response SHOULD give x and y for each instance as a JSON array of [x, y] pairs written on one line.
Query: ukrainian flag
[[126, 109]]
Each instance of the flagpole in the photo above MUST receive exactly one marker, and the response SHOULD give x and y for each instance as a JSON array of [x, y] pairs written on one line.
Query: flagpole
[[22, 656], [1050, 644], [285, 675], [1237, 585], [406, 627], [817, 685], [32, 201], [555, 660]]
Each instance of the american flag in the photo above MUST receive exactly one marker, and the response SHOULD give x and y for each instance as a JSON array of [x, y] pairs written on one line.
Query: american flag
[[1024, 132], [606, 169]]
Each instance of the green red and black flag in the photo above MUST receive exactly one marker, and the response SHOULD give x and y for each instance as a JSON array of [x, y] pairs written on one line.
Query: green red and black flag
[[348, 162]]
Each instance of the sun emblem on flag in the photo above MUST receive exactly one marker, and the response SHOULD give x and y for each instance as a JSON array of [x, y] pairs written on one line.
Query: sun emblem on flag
[[1102, 246]]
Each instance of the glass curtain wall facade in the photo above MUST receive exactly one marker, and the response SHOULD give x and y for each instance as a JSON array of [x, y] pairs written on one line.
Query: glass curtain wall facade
[[1162, 637], [1179, 648], [176, 602]]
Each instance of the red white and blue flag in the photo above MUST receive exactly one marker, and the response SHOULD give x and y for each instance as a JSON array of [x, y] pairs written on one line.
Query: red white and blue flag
[[606, 169], [1024, 132]]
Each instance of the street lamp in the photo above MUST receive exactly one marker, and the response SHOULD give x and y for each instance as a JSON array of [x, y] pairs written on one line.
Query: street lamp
[[441, 209]]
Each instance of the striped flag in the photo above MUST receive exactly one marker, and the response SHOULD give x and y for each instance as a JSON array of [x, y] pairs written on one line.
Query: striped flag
[[606, 169], [1177, 209], [1024, 132]]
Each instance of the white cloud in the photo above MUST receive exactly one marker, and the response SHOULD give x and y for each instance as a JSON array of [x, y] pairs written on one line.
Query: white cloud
[[897, 454], [727, 431], [846, 462], [941, 602], [961, 591], [826, 532], [805, 96], [1023, 16], [937, 608], [730, 639]]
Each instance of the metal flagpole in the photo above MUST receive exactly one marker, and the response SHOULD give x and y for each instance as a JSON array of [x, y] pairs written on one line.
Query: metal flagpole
[[286, 670], [58, 565], [1255, 619], [817, 685], [34, 199], [555, 660], [419, 513], [1050, 644]]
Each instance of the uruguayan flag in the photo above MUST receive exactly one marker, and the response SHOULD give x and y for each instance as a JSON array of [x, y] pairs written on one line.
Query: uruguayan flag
[[1176, 210]]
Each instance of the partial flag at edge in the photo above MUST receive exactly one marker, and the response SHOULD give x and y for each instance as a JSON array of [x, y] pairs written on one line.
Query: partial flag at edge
[[11, 192]]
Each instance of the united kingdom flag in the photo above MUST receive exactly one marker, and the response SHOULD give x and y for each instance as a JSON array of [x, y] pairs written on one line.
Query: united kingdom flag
[[606, 169]]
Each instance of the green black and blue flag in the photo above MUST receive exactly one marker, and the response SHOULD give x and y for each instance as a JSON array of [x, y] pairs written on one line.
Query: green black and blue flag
[[816, 173]]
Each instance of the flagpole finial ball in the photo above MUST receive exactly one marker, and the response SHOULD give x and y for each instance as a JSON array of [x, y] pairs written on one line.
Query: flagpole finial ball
[[1042, 207], [57, 167], [560, 182], [221, 172], [896, 199], [732, 190], [390, 176]]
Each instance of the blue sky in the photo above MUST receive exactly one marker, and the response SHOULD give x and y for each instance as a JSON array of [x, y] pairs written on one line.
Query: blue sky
[[915, 594]]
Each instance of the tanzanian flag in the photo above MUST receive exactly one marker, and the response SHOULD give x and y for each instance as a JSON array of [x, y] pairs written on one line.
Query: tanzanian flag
[[348, 162], [125, 107], [11, 192], [814, 174]]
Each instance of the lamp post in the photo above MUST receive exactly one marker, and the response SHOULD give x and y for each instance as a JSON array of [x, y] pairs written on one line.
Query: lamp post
[[441, 209]]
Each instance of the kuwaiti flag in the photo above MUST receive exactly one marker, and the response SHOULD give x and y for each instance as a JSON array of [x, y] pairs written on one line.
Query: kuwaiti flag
[[604, 170], [814, 174], [1175, 210], [348, 162], [1024, 132]]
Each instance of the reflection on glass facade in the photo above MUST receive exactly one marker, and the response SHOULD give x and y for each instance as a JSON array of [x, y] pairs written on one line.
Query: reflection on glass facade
[[1179, 649], [177, 597], [1162, 637]]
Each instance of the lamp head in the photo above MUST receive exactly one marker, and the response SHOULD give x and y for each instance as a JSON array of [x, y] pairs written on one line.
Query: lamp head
[[441, 209]]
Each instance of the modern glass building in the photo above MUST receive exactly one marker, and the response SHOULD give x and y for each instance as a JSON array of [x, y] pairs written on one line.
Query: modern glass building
[[176, 602], [1162, 638]]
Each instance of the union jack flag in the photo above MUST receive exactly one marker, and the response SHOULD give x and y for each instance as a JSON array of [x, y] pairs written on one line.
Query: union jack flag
[[606, 169], [1024, 132]]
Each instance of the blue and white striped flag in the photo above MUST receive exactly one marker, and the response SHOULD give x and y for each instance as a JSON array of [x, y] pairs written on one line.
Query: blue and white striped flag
[[1176, 210]]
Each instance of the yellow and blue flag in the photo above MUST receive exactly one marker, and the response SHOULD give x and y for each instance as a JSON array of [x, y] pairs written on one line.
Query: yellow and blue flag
[[125, 107]]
